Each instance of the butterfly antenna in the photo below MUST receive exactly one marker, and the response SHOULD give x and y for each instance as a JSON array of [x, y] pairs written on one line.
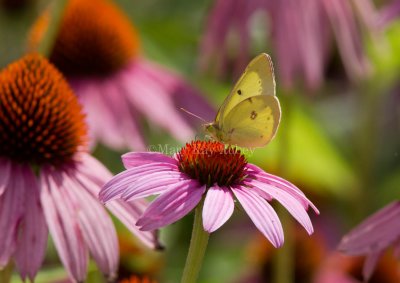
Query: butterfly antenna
[[194, 115]]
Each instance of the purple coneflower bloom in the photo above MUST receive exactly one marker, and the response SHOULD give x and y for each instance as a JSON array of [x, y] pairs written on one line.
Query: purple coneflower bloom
[[48, 181], [209, 170], [373, 236], [301, 33], [98, 50]]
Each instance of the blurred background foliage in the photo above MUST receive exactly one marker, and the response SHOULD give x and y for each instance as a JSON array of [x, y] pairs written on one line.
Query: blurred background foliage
[[341, 143]]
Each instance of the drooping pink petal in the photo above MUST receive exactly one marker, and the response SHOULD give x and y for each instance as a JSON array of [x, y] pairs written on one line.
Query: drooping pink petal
[[154, 183], [295, 208], [135, 159], [125, 183], [128, 213], [172, 205], [370, 264], [125, 120], [183, 95], [282, 184], [143, 90], [100, 118], [32, 239], [348, 37], [388, 13], [96, 226], [218, 207], [62, 219], [262, 214], [375, 233], [5, 168], [11, 211]]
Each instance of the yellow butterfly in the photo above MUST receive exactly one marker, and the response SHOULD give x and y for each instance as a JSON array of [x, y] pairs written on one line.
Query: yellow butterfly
[[250, 115]]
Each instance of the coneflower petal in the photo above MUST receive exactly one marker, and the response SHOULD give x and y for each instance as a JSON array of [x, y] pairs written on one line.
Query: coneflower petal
[[119, 184], [128, 213], [96, 226], [62, 220], [11, 211], [165, 115], [5, 174], [262, 214], [172, 205], [218, 207], [134, 159], [370, 263], [288, 201], [32, 242], [375, 233], [153, 183]]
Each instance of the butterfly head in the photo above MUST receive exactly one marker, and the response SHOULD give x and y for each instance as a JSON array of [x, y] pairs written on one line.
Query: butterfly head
[[213, 130]]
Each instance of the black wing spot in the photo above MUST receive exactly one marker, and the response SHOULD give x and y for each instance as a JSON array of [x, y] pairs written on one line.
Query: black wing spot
[[239, 92], [253, 115], [250, 100]]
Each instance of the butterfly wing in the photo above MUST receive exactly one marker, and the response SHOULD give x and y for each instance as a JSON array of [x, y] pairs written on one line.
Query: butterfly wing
[[253, 122], [257, 79]]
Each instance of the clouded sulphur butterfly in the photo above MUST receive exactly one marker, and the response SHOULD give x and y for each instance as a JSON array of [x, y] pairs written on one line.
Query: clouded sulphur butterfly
[[250, 115]]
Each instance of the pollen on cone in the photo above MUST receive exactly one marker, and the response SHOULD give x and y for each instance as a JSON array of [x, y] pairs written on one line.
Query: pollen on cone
[[95, 38], [41, 120]]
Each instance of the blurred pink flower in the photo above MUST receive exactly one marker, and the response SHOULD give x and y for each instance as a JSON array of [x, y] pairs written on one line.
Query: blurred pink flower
[[373, 236], [98, 50], [389, 13], [219, 174], [48, 182], [301, 34]]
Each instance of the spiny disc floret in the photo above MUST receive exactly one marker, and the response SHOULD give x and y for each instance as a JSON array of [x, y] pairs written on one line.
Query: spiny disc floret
[[212, 163]]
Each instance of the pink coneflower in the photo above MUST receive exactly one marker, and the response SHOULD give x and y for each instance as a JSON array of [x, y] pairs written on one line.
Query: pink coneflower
[[48, 182], [98, 50], [301, 34], [338, 268], [373, 236], [209, 170]]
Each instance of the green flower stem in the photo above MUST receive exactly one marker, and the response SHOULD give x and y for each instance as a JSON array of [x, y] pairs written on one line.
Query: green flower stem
[[283, 261], [49, 37], [197, 249]]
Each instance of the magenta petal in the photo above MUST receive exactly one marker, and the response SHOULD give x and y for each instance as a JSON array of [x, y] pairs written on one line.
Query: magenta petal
[[218, 207], [120, 183], [134, 159], [172, 205], [375, 233], [283, 185], [370, 264], [128, 214], [32, 240], [143, 90], [151, 184], [62, 219], [97, 228], [11, 211], [295, 207], [5, 167], [262, 214]]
